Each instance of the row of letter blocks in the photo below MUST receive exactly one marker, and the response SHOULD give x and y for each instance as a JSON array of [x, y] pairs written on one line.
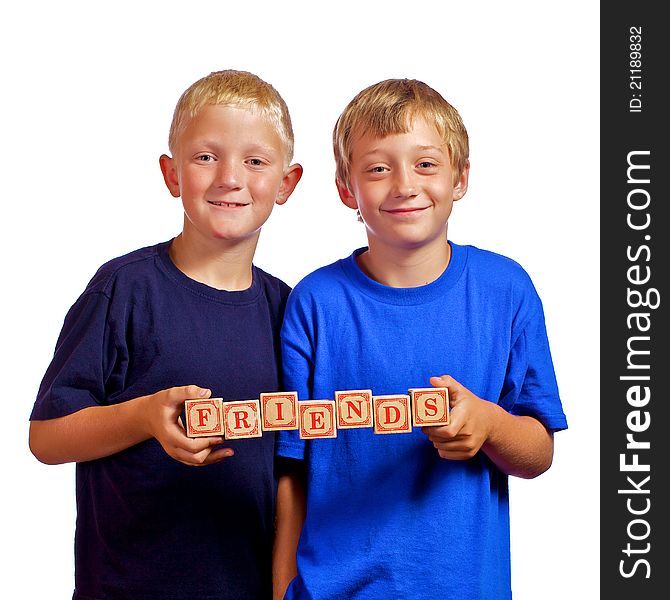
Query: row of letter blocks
[[421, 407]]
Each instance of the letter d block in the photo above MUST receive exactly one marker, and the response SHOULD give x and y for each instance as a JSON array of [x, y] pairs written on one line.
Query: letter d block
[[203, 417], [242, 419], [279, 410], [354, 408], [317, 419], [392, 414], [430, 406]]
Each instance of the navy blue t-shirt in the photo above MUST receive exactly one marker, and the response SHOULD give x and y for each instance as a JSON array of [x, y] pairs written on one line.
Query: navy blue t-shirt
[[147, 525]]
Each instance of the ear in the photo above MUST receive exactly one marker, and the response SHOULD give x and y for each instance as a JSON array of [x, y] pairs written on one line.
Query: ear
[[462, 184], [170, 174], [345, 195], [290, 179]]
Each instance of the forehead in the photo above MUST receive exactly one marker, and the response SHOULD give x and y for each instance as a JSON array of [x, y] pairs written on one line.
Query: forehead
[[225, 123], [420, 135]]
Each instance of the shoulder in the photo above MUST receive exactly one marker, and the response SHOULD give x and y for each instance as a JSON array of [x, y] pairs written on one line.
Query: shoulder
[[127, 268], [273, 287], [496, 270], [324, 283]]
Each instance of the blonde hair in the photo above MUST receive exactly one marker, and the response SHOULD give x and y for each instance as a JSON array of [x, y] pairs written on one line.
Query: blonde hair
[[389, 107], [233, 88]]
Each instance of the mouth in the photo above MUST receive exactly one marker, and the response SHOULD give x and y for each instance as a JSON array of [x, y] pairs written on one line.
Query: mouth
[[408, 210], [226, 204]]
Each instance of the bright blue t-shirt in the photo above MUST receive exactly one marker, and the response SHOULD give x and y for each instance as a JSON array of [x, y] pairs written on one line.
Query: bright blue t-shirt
[[386, 516], [149, 526]]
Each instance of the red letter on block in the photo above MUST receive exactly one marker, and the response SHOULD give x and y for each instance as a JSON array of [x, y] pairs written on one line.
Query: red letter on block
[[430, 406], [354, 408], [280, 410], [392, 414], [203, 417], [242, 419], [317, 419]]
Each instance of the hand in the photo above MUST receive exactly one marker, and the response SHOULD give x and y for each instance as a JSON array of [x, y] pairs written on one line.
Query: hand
[[162, 411], [470, 422]]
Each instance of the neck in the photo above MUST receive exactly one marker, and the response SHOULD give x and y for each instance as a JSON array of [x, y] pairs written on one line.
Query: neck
[[216, 263], [405, 268]]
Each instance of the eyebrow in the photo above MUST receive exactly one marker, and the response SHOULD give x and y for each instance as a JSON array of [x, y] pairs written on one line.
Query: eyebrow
[[420, 148]]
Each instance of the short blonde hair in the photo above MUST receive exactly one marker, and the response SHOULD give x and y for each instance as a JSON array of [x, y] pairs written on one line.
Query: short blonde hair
[[389, 107], [233, 88]]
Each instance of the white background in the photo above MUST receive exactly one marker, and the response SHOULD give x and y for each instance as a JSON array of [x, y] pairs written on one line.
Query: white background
[[88, 94]]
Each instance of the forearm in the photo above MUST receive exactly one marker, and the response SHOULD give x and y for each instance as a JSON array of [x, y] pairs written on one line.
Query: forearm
[[90, 433], [519, 446], [290, 516]]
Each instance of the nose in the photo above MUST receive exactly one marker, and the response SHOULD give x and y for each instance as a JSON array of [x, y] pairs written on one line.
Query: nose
[[404, 183], [228, 175]]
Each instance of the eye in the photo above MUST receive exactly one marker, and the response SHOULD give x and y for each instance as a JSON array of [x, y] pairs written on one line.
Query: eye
[[205, 158], [255, 162], [377, 169], [426, 164]]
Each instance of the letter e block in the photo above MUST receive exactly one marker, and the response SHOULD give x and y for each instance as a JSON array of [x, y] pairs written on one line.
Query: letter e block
[[242, 419], [203, 417], [279, 410], [317, 419], [392, 414], [430, 406], [354, 408]]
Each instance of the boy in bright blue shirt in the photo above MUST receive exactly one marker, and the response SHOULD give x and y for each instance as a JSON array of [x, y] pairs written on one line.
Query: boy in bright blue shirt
[[425, 514]]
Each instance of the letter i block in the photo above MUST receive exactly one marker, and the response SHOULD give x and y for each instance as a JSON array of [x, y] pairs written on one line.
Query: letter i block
[[279, 410], [317, 419], [392, 414], [354, 408], [203, 417], [242, 419], [430, 406]]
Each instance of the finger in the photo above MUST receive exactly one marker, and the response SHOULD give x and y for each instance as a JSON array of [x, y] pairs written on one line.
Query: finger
[[187, 392], [444, 381], [218, 455]]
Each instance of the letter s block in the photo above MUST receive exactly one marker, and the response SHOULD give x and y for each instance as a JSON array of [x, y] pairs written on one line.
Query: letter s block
[[317, 419], [430, 406], [203, 417], [392, 414], [242, 419]]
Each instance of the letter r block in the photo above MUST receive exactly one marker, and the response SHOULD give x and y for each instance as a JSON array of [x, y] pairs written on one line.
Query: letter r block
[[242, 419], [354, 408], [317, 419], [430, 406], [392, 414], [203, 417], [279, 410]]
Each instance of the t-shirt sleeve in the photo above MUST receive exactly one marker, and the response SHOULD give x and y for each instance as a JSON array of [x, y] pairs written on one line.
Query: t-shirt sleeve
[[76, 377], [530, 387], [297, 363]]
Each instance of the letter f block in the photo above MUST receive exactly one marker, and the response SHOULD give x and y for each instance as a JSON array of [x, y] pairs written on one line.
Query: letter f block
[[203, 417], [430, 406]]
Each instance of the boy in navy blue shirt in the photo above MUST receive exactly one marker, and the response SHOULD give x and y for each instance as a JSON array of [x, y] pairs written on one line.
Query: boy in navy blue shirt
[[422, 514], [188, 318]]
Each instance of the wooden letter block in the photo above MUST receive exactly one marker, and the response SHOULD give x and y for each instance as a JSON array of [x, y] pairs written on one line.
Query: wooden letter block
[[279, 410], [317, 419], [242, 419], [354, 408], [203, 417], [430, 406], [392, 414]]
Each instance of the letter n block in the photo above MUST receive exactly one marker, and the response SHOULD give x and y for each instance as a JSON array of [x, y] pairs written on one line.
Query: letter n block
[[430, 406], [203, 417], [279, 410], [354, 408], [392, 414], [317, 419], [242, 419]]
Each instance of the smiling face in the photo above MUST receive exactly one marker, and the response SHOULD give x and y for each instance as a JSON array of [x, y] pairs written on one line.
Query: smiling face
[[229, 169], [404, 187]]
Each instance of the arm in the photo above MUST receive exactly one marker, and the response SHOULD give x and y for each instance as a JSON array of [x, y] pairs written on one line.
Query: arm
[[99, 431], [290, 515], [517, 445]]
